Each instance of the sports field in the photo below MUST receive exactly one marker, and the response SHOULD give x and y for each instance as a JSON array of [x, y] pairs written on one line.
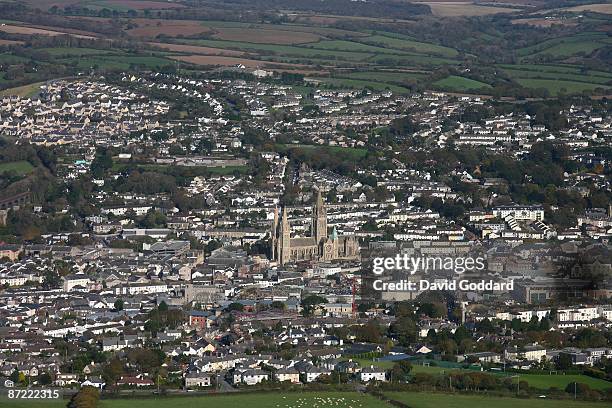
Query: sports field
[[430, 400], [542, 381]]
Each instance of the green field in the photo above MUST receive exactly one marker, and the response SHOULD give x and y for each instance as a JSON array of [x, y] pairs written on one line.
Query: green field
[[12, 59], [361, 84], [325, 31], [554, 78], [268, 400], [430, 400], [117, 61], [77, 52], [227, 170], [587, 77], [25, 91], [542, 381], [386, 76], [252, 400], [25, 403], [20, 167], [457, 83], [556, 86], [282, 51], [561, 381], [564, 47], [318, 400], [410, 45], [352, 46]]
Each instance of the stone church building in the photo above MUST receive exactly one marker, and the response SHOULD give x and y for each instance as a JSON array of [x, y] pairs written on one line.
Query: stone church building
[[318, 247]]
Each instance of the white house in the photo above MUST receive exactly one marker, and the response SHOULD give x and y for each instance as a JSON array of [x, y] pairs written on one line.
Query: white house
[[372, 373]]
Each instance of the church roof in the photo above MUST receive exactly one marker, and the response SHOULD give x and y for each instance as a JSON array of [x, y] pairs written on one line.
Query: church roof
[[302, 242]]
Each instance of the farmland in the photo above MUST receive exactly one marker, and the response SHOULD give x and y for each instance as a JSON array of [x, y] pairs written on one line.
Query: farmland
[[148, 28], [565, 46], [194, 49], [253, 400], [361, 84], [264, 35], [213, 60], [456, 8], [430, 400], [457, 83], [605, 8], [556, 87], [324, 48]]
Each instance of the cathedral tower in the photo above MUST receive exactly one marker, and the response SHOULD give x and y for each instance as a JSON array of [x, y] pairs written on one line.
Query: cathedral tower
[[319, 219], [274, 233], [283, 251]]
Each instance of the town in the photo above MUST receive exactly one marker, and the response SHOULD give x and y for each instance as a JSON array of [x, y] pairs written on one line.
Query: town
[[173, 233]]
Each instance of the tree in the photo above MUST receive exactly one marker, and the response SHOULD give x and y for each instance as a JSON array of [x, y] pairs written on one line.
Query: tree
[[578, 388], [310, 303], [405, 366], [51, 279], [44, 379], [87, 397], [370, 332], [112, 371], [235, 307], [102, 162], [118, 305], [14, 377], [404, 329], [563, 362]]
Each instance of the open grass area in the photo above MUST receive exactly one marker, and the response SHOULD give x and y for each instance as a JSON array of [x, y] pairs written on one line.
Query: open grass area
[[386, 76], [560, 381], [274, 50], [464, 8], [361, 84], [564, 72], [586, 78], [25, 91], [252, 400], [457, 83], [408, 44], [431, 400], [20, 167], [567, 46], [558, 86], [558, 78], [77, 52], [352, 46], [28, 403], [118, 62], [227, 170], [542, 381]]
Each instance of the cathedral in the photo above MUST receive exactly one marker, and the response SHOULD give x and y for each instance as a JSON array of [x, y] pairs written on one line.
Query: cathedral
[[318, 247]]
